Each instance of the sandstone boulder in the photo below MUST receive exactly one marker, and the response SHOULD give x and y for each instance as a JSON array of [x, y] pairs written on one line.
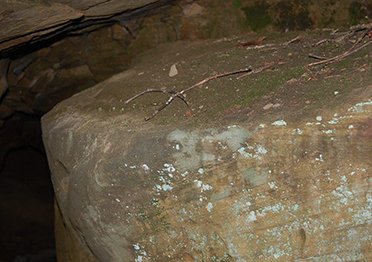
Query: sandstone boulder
[[224, 180]]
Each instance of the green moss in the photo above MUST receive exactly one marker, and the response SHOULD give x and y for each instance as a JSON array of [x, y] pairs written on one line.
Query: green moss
[[268, 82], [345, 63], [348, 62], [237, 3], [251, 89], [324, 91], [356, 12], [318, 94], [257, 16], [293, 15]]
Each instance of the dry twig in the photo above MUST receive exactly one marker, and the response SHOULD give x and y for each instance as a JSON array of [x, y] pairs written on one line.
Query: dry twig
[[258, 70], [297, 38], [181, 94], [156, 91], [255, 42], [350, 51], [317, 57], [321, 42]]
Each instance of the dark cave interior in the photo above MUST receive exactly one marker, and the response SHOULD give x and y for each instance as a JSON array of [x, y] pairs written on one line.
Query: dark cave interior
[[26, 206]]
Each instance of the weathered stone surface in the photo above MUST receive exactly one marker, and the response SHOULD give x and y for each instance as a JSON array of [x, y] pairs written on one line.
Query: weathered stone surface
[[22, 22], [100, 8], [69, 247], [233, 182]]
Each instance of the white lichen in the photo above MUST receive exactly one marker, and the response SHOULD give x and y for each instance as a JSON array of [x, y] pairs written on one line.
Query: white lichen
[[243, 153], [202, 186], [329, 131], [251, 217], [297, 131], [273, 209], [261, 150], [257, 151], [272, 185], [319, 158], [279, 122], [209, 207], [166, 187], [141, 254], [145, 167], [169, 168], [201, 171], [360, 107], [189, 157], [343, 194], [184, 174]]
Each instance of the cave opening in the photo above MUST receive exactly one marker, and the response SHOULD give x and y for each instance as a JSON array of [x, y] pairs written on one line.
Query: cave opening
[[26, 207]]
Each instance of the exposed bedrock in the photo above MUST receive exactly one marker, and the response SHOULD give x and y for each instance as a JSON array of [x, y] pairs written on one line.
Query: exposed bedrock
[[275, 165]]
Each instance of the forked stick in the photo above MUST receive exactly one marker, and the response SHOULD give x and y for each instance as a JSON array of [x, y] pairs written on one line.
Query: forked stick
[[181, 94]]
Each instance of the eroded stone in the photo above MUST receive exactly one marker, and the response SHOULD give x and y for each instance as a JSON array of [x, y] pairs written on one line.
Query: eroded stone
[[218, 186]]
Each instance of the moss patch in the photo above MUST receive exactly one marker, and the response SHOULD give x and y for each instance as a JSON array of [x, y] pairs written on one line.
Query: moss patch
[[293, 15], [356, 12], [268, 82], [258, 16], [237, 3]]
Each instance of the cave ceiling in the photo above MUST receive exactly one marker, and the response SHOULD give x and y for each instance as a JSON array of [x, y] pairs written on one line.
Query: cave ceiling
[[26, 22]]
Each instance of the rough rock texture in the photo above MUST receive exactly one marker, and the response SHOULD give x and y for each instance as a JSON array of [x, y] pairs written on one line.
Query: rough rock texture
[[43, 70], [22, 23], [275, 165]]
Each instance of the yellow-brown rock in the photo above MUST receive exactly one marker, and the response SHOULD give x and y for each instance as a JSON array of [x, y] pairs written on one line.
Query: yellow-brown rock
[[230, 181]]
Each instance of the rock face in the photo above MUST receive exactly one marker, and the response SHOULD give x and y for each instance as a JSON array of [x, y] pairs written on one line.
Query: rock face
[[233, 180], [22, 23]]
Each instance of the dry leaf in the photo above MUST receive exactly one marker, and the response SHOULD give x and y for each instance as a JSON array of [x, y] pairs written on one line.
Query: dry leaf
[[188, 113]]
